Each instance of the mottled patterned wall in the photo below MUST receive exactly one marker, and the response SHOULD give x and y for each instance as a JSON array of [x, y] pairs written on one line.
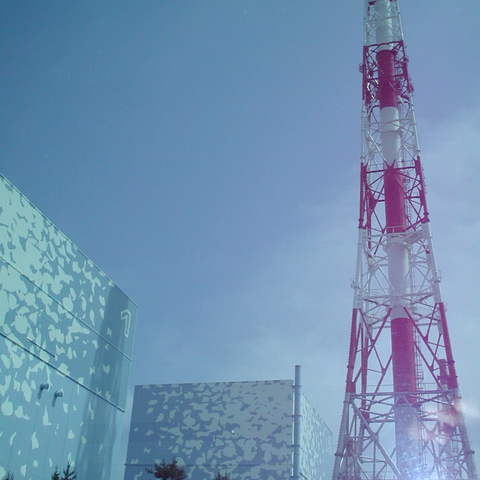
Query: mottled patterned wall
[[242, 428], [66, 326], [316, 459]]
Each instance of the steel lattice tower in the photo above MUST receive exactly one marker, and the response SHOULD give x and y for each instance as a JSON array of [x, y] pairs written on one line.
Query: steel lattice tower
[[402, 416]]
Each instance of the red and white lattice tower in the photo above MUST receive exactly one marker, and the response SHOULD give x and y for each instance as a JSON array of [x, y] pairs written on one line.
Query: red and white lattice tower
[[402, 416]]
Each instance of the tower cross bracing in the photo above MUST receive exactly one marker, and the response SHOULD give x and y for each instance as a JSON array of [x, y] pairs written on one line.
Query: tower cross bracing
[[402, 415]]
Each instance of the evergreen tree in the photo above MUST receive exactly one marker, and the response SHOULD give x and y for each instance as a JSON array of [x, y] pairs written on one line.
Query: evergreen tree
[[176, 472], [160, 470], [69, 472], [9, 476], [56, 474], [222, 477], [168, 471]]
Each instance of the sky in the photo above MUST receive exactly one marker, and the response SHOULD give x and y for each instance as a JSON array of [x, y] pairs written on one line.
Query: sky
[[205, 155]]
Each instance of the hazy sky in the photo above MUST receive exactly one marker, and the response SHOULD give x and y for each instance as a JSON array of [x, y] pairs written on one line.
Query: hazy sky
[[205, 155]]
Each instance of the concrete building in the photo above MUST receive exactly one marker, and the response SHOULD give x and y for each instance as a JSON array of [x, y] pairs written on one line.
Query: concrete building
[[244, 429], [66, 337]]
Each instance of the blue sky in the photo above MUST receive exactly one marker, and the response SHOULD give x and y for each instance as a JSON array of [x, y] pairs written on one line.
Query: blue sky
[[205, 155]]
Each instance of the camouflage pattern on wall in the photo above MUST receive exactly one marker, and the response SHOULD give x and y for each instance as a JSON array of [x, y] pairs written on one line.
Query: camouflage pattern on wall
[[244, 429], [66, 336], [316, 459]]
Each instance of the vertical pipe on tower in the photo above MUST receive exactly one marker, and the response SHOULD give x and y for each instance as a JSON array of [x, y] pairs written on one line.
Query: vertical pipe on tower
[[403, 349], [297, 423], [399, 331]]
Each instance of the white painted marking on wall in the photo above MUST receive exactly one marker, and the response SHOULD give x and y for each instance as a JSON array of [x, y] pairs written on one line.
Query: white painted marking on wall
[[126, 316]]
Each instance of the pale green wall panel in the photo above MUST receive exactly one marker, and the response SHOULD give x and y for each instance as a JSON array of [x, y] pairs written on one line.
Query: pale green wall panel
[[63, 324]]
